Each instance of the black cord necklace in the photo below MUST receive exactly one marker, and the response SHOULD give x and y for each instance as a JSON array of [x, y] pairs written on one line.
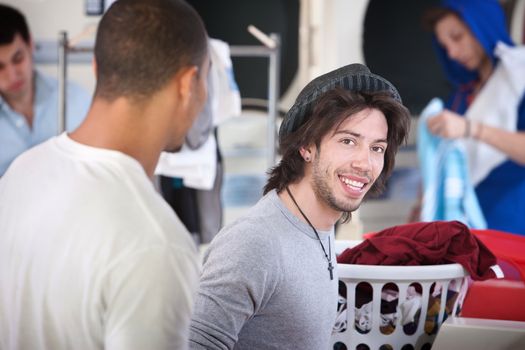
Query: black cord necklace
[[327, 256]]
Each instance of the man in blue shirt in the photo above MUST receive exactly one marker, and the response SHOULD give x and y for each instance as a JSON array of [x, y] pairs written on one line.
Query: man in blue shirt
[[28, 99]]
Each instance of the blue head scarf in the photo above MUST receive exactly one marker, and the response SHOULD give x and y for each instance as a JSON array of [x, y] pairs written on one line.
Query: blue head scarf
[[487, 22]]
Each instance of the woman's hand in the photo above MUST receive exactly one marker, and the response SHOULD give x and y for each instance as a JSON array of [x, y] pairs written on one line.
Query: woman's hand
[[451, 125], [448, 124]]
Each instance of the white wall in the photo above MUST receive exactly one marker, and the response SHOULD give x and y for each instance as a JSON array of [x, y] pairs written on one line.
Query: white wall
[[340, 34], [47, 17], [330, 36]]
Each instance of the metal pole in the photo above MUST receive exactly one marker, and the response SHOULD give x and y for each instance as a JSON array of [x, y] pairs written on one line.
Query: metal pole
[[62, 80], [273, 97], [249, 51]]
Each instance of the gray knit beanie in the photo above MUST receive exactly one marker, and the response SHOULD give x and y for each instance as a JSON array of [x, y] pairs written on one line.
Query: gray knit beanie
[[353, 77]]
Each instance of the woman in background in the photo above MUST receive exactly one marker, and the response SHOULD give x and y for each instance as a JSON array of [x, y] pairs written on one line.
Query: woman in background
[[466, 35]]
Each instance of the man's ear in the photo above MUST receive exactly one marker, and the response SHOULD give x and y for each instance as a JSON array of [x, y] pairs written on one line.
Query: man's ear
[[306, 153], [94, 66], [186, 81]]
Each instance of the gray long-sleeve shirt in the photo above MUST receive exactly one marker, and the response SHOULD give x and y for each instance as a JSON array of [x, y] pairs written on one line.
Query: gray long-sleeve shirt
[[265, 284]]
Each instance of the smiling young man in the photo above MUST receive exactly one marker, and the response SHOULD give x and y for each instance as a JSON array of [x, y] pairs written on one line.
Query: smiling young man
[[28, 98], [269, 279]]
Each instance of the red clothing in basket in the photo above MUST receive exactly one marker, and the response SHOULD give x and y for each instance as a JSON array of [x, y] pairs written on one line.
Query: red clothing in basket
[[425, 243]]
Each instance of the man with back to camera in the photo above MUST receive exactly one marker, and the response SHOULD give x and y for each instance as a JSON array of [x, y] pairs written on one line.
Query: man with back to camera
[[268, 279], [28, 98], [91, 257]]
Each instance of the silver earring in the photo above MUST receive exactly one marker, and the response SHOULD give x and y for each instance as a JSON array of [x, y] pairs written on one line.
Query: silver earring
[[307, 159]]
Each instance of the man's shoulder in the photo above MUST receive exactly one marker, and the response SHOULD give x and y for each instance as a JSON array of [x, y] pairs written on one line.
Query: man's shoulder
[[254, 232], [246, 225], [38, 153], [255, 216], [259, 217]]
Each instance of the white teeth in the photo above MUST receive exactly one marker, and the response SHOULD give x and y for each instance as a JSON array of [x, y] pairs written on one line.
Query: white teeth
[[352, 182]]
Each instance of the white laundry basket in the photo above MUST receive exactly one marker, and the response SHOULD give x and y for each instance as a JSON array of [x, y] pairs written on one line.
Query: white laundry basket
[[377, 331]]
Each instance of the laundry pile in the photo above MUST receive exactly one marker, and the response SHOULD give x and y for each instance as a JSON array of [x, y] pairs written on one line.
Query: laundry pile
[[424, 243]]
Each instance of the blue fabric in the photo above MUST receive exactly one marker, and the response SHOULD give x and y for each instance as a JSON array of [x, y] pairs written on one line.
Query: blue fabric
[[502, 193], [15, 134], [448, 193]]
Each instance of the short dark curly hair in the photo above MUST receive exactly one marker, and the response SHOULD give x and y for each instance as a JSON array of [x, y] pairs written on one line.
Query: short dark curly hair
[[12, 22], [141, 44]]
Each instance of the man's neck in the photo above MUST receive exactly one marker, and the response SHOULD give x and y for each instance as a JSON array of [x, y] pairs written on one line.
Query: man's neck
[[120, 127], [320, 215], [485, 71]]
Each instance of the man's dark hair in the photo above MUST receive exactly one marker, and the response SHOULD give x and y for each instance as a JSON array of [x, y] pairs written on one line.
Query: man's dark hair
[[332, 109], [142, 44], [433, 15], [12, 22]]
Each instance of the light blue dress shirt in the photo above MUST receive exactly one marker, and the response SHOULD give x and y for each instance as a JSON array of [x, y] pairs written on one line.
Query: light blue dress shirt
[[15, 134]]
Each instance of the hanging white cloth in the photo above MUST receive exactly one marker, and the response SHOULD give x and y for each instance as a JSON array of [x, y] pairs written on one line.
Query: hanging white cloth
[[196, 162], [496, 105], [226, 98], [196, 167]]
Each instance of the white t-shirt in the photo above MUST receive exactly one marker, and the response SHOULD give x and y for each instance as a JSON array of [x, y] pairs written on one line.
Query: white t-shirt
[[91, 257]]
